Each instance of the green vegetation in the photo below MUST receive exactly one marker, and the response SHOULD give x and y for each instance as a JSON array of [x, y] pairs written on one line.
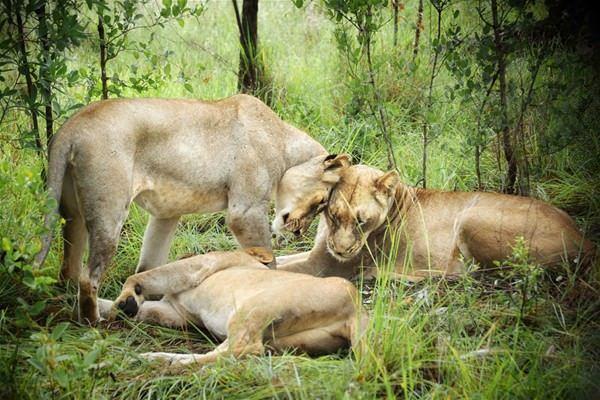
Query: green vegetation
[[511, 333]]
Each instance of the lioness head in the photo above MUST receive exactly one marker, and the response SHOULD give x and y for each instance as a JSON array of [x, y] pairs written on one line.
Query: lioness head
[[304, 190], [358, 205]]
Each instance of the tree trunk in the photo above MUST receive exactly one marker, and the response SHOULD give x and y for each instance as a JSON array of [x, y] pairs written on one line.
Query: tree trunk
[[478, 164], [396, 6], [479, 145], [392, 164], [507, 146], [436, 54], [424, 158], [102, 37], [44, 78], [418, 29], [31, 95], [249, 75]]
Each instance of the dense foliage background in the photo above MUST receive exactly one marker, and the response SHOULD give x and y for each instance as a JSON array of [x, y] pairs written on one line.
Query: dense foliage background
[[495, 95]]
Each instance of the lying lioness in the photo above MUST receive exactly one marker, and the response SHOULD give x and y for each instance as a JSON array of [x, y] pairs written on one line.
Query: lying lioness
[[225, 292], [171, 157], [433, 232]]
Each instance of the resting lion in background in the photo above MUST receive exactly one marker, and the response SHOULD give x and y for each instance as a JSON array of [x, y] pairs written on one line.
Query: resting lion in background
[[171, 157], [238, 299], [437, 232]]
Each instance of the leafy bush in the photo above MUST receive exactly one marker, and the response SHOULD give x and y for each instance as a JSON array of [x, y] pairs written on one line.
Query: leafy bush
[[23, 290]]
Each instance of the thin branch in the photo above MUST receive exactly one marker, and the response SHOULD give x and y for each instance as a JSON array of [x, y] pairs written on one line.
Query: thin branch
[[238, 19], [481, 17]]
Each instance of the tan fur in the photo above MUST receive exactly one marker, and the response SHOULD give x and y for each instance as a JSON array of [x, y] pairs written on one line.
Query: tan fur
[[435, 232], [171, 157], [224, 292]]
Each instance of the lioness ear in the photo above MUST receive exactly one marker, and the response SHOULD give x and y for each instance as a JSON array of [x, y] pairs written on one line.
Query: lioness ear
[[261, 254], [388, 182], [335, 161], [333, 166]]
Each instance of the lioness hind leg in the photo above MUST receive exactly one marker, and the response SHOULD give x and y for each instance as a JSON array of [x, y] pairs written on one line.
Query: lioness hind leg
[[316, 341], [179, 360], [346, 328], [74, 241], [157, 242], [236, 346], [161, 313], [104, 193], [103, 237], [74, 233]]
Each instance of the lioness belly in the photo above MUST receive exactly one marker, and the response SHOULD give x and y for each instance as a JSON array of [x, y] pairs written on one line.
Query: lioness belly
[[174, 200], [218, 297], [201, 307]]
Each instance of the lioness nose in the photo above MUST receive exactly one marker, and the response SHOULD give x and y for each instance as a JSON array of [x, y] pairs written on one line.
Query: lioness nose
[[343, 250], [340, 253]]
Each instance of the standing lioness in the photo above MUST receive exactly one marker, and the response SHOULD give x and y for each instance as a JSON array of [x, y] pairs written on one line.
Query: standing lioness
[[172, 157], [371, 214]]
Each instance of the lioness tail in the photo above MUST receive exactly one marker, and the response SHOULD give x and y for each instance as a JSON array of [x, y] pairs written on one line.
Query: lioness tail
[[57, 165]]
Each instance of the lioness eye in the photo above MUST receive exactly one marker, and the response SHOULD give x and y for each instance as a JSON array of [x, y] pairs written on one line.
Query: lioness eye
[[360, 221]]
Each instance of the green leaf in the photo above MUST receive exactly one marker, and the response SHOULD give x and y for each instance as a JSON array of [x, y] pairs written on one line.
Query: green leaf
[[6, 245], [63, 357], [37, 364], [188, 87], [59, 330], [62, 378], [37, 308], [44, 281], [29, 279], [298, 3], [91, 357]]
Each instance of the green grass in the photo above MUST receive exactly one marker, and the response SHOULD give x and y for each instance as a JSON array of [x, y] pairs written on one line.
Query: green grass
[[436, 339]]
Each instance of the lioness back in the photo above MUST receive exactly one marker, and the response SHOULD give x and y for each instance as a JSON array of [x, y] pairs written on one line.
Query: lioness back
[[488, 224], [150, 118]]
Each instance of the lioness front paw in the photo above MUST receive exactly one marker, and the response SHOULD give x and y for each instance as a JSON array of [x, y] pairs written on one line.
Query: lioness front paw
[[128, 303], [129, 306]]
